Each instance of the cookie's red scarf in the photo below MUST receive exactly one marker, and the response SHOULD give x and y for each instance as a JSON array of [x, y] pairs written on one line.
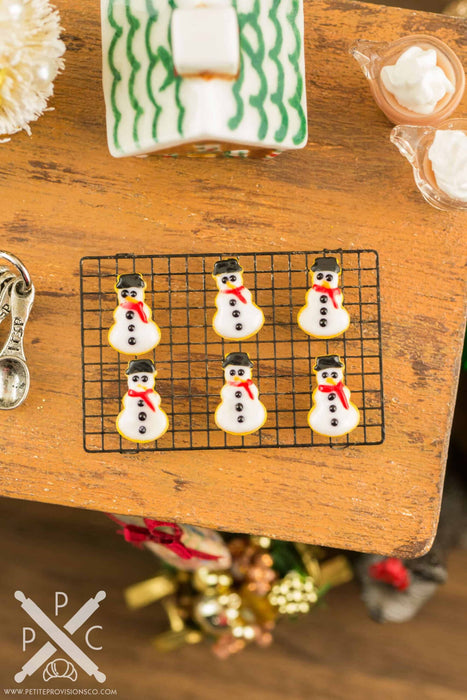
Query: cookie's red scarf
[[137, 306]]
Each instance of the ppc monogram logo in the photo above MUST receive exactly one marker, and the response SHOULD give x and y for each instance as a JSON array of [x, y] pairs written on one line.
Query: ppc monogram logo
[[59, 639]]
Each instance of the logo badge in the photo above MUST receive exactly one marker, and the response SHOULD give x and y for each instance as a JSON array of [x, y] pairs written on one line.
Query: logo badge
[[60, 640]]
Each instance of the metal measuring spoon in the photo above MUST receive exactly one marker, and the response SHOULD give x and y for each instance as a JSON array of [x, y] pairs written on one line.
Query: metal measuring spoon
[[6, 275], [14, 373], [7, 279]]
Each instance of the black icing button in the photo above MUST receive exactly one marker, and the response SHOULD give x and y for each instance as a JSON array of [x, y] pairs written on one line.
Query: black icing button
[[323, 311], [129, 315], [131, 340], [241, 419], [323, 323], [131, 328], [238, 394], [333, 408], [238, 327], [323, 298], [239, 407], [140, 402], [236, 314], [334, 422], [233, 302], [142, 415], [332, 396], [141, 429]]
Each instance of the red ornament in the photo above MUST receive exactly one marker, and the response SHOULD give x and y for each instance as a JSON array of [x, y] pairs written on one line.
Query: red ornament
[[391, 571]]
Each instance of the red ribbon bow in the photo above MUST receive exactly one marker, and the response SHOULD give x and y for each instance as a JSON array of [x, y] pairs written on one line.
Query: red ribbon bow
[[137, 535], [237, 291], [145, 396], [338, 388], [137, 306], [391, 571], [330, 292], [246, 385]]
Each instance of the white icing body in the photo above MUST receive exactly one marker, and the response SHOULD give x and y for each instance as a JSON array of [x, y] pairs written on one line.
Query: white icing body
[[138, 421], [448, 156], [128, 422], [235, 309], [321, 415], [130, 335], [251, 317], [319, 308], [252, 413], [156, 99], [416, 81]]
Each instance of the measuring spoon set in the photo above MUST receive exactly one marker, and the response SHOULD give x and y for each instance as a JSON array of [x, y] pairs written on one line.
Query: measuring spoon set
[[16, 300]]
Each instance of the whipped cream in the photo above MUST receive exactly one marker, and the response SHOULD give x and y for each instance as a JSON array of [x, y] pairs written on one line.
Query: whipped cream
[[416, 81], [448, 155]]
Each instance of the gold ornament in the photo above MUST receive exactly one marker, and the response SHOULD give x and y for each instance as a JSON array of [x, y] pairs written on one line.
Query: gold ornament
[[294, 594], [216, 614], [204, 580], [240, 606], [252, 563], [142, 594]]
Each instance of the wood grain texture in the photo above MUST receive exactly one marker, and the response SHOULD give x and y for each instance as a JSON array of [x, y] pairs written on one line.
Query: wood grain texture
[[64, 197]]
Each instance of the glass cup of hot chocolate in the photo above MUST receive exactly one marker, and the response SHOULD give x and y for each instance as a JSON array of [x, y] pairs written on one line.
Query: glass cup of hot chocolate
[[417, 79], [438, 155]]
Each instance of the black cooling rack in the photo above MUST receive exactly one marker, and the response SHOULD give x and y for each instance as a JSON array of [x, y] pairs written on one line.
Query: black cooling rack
[[181, 291]]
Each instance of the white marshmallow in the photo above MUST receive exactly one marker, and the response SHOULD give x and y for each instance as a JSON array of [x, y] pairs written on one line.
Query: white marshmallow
[[416, 81], [448, 155]]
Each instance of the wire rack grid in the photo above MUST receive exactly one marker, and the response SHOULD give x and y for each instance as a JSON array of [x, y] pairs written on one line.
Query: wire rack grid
[[181, 292]]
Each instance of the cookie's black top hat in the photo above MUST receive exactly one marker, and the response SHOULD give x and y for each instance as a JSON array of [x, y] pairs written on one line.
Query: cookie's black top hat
[[327, 362], [141, 366], [228, 265], [240, 359], [133, 279], [326, 265]]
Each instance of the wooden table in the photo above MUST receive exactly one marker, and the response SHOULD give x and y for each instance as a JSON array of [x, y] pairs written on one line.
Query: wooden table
[[64, 197]]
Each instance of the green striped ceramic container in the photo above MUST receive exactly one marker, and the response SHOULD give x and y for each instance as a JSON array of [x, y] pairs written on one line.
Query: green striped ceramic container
[[152, 109]]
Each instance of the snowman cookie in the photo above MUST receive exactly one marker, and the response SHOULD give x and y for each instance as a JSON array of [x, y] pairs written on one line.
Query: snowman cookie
[[323, 315], [240, 411], [332, 413], [141, 418], [133, 333], [237, 316]]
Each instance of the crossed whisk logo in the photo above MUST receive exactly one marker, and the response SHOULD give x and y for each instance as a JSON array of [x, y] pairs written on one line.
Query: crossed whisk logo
[[48, 657]]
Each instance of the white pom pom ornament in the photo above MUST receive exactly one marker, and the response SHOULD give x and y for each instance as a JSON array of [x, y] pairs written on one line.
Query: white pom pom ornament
[[30, 58]]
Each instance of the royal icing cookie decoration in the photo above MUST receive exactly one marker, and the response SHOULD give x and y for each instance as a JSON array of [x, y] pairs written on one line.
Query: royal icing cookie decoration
[[332, 413], [133, 333], [237, 316], [183, 77], [142, 419], [323, 315], [240, 411]]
